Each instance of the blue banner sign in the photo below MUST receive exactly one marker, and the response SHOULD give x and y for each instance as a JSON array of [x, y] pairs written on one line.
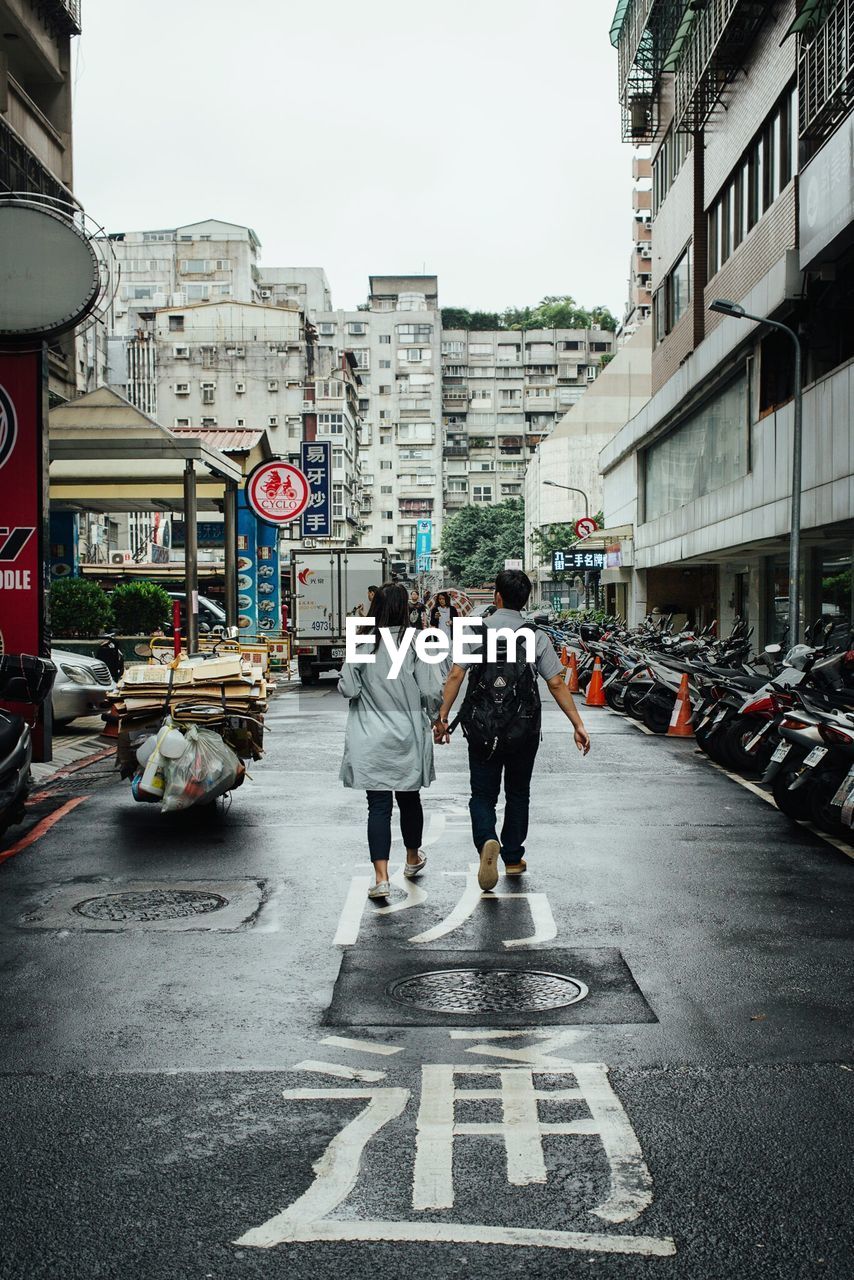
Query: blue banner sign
[[316, 466], [423, 545]]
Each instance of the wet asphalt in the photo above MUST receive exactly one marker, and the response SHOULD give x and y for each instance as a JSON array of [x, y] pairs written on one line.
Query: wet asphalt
[[143, 1062]]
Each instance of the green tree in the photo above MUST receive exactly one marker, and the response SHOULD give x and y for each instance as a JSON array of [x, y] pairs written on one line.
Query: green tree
[[478, 539], [140, 607], [78, 608], [456, 318]]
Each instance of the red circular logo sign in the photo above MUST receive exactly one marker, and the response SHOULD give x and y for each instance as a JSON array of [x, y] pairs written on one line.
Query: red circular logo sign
[[8, 425], [277, 492], [585, 526]]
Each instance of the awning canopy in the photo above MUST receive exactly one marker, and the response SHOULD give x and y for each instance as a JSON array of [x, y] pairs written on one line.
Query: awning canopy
[[618, 20], [810, 17], [108, 456]]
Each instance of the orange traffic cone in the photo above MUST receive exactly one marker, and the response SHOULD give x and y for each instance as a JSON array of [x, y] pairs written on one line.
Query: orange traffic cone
[[572, 674], [595, 696], [680, 721], [564, 660]]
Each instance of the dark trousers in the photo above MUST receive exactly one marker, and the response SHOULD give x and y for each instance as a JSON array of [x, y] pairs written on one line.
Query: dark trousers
[[517, 767], [379, 821]]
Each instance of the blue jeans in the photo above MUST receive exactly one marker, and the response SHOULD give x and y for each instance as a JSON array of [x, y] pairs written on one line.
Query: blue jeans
[[517, 767], [379, 821]]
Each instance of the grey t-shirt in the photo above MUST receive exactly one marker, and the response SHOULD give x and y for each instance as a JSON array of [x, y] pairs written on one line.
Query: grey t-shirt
[[548, 663]]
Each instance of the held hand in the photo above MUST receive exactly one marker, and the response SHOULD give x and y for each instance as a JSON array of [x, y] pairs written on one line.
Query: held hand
[[582, 739], [440, 732]]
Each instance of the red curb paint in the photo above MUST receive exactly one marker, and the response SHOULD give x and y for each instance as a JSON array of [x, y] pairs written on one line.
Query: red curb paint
[[41, 828]]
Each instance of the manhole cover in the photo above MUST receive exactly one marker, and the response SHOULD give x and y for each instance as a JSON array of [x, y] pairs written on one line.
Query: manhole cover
[[487, 991], [150, 904]]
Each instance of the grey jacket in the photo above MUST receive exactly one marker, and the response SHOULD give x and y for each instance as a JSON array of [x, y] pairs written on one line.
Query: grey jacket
[[388, 742]]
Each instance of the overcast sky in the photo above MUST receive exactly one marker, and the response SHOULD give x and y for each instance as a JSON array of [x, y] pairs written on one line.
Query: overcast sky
[[477, 139]]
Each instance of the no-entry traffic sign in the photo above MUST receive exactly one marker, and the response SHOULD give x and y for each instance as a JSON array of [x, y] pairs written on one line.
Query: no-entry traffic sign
[[585, 526], [278, 492]]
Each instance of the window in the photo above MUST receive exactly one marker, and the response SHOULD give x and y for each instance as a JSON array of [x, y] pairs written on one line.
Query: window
[[480, 348], [510, 395], [414, 355], [385, 464], [509, 352], [326, 328], [239, 388], [364, 406], [176, 324], [238, 352], [385, 338], [667, 163], [386, 488], [273, 420], [331, 424], [385, 413], [181, 353], [408, 333], [672, 300], [387, 515], [338, 501], [385, 364], [209, 422], [182, 388], [338, 456], [454, 348], [385, 389], [362, 356], [208, 392], [482, 493], [481, 393], [272, 384], [357, 327], [183, 422], [387, 539], [707, 450]]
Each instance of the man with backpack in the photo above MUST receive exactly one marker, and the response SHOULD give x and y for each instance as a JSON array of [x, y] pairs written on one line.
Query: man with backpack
[[500, 718]]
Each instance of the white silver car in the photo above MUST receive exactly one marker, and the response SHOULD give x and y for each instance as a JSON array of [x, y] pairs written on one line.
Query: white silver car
[[81, 686]]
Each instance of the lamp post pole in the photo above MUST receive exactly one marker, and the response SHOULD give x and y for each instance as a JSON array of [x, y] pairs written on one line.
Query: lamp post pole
[[571, 489], [735, 310]]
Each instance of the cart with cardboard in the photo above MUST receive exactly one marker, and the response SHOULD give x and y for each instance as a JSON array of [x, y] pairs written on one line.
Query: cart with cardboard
[[188, 727]]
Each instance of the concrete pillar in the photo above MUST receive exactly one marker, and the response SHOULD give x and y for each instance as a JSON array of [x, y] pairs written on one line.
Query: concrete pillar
[[191, 555]]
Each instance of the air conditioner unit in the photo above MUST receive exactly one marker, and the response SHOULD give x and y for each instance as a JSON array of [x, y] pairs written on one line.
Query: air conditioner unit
[[308, 406], [160, 300], [178, 300], [273, 384], [121, 557], [265, 293]]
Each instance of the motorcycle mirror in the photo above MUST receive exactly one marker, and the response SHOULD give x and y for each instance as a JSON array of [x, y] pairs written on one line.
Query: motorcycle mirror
[[773, 648], [232, 632], [204, 629]]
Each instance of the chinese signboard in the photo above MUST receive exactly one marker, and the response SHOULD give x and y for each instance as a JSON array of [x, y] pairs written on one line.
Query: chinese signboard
[[316, 459], [563, 560]]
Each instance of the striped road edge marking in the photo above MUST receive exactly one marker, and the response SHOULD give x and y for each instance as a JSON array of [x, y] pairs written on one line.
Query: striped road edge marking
[[41, 828]]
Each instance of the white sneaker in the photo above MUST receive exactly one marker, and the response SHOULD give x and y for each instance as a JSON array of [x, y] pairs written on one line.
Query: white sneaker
[[413, 869], [380, 890]]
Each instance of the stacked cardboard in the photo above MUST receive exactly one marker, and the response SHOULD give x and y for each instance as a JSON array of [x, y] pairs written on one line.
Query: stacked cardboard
[[221, 692]]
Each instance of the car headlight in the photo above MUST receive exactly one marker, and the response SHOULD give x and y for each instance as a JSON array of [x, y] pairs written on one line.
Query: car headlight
[[78, 674]]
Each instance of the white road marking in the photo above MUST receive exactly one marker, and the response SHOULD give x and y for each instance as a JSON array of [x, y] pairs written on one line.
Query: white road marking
[[540, 1055], [464, 1233], [415, 895], [466, 904], [350, 920], [545, 928], [337, 1169], [362, 1046], [342, 1073]]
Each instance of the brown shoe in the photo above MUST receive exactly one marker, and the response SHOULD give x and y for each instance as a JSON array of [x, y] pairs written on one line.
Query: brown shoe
[[487, 872], [515, 868]]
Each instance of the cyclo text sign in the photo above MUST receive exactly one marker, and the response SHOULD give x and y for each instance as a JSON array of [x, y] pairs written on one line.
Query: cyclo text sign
[[22, 508], [278, 492]]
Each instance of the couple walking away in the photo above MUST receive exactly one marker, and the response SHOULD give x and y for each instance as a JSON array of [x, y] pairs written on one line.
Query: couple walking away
[[392, 726]]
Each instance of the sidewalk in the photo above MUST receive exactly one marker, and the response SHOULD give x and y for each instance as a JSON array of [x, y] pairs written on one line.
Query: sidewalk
[[79, 741]]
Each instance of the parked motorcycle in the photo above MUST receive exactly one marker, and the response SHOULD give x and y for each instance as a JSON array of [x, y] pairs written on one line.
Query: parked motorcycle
[[23, 679]]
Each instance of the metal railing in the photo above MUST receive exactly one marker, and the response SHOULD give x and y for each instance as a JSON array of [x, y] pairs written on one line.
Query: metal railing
[[21, 171], [715, 49], [826, 74]]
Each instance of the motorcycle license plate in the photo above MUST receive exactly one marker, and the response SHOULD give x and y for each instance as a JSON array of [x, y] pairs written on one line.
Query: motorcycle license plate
[[781, 752], [757, 738], [337, 653], [719, 717], [815, 757], [846, 790], [704, 721]]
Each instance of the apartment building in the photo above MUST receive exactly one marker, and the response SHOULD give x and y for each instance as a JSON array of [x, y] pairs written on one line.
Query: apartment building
[[734, 99], [35, 126], [639, 297], [395, 344], [503, 391]]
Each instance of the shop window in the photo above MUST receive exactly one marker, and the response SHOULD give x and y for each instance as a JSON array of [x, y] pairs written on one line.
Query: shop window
[[776, 372]]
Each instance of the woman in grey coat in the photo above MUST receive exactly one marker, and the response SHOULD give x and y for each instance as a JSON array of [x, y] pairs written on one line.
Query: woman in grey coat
[[388, 743]]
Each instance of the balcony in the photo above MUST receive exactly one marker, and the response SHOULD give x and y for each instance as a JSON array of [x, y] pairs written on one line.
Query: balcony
[[825, 79], [455, 499], [68, 14], [35, 129], [21, 170], [716, 46], [455, 451]]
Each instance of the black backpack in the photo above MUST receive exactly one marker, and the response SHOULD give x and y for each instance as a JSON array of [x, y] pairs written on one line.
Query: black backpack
[[502, 706]]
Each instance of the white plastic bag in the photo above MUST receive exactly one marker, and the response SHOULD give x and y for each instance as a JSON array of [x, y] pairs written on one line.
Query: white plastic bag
[[206, 769]]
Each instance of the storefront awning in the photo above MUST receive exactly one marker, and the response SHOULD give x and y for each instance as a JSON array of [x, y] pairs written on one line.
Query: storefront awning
[[810, 17]]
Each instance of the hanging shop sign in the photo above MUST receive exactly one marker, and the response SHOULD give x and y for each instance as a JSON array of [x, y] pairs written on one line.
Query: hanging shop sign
[[316, 465], [49, 272], [563, 560], [278, 492]]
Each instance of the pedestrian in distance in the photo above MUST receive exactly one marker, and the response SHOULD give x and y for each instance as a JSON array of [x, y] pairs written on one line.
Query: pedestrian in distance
[[388, 744], [500, 718], [372, 591], [442, 619], [417, 612]]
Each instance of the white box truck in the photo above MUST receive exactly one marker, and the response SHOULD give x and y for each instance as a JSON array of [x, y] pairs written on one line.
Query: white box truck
[[326, 587]]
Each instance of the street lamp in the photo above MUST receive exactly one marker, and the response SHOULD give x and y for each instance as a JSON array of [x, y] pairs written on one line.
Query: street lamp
[[571, 489], [734, 309]]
